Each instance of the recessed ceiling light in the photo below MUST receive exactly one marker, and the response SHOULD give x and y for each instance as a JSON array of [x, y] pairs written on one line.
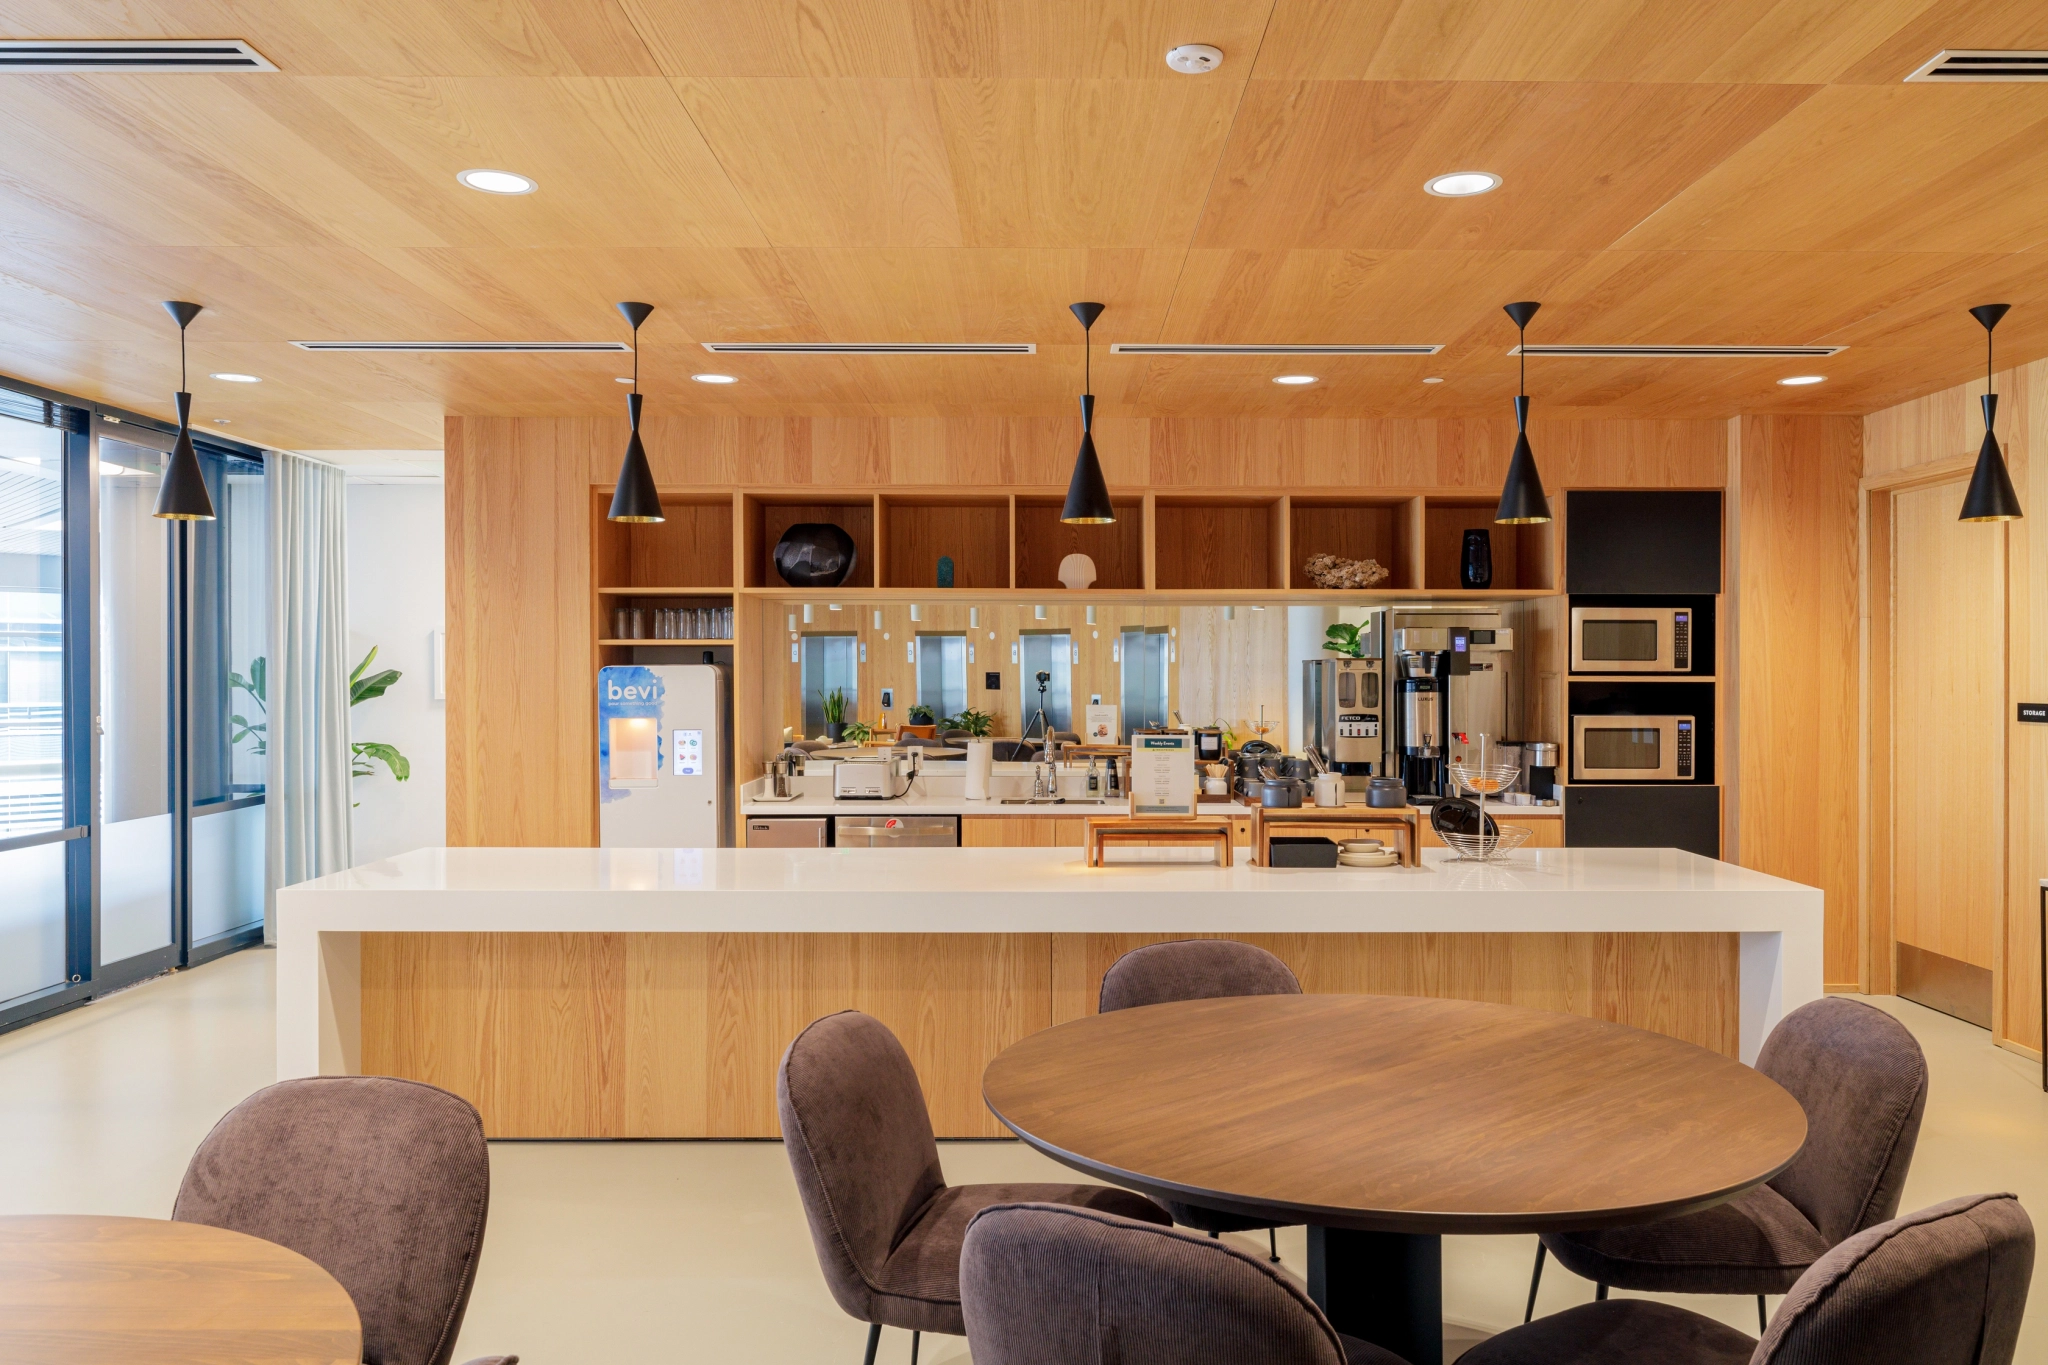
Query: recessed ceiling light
[[1294, 379], [1434, 379], [623, 379], [714, 379], [497, 182], [1460, 184], [1794, 381], [1192, 59], [231, 377]]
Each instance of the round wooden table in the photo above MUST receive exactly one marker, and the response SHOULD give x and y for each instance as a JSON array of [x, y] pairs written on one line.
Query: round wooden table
[[77, 1288], [1384, 1122]]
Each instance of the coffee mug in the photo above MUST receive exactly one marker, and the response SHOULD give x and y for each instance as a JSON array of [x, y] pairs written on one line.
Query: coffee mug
[[1330, 789]]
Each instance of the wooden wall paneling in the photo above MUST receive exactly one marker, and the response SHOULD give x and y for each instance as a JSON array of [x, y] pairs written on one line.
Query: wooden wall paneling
[[974, 533], [1683, 985], [1281, 526], [1150, 558], [1881, 794], [522, 653], [1797, 606], [2025, 429], [1043, 540], [1352, 528]]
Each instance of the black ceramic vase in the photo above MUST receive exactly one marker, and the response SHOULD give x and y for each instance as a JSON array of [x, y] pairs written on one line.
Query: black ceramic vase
[[815, 554], [1475, 566]]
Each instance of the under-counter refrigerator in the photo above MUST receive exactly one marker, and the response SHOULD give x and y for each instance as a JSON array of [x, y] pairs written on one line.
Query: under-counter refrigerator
[[664, 756]]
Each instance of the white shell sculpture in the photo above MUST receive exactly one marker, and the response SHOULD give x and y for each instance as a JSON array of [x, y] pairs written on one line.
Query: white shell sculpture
[[1077, 571]]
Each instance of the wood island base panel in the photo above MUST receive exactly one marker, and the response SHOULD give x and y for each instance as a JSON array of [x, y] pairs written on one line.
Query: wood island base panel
[[678, 1035]]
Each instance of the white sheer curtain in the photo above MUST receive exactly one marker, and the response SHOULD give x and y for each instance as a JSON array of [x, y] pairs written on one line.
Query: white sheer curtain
[[307, 790]]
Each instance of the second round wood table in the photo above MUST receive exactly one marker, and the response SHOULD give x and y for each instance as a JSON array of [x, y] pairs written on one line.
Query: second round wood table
[[80, 1289], [1384, 1122]]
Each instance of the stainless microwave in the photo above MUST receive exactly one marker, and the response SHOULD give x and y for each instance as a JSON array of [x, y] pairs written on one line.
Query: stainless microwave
[[1631, 640], [1632, 748]]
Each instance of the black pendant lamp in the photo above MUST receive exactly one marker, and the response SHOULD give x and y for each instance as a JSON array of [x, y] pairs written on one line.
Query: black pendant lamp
[[182, 496], [1990, 496], [1521, 497], [635, 499], [1087, 494]]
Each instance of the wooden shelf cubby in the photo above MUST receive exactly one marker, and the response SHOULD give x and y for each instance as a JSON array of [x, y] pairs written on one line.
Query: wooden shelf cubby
[[694, 544], [1043, 540], [916, 529], [1524, 557], [1387, 529], [765, 516], [1219, 542]]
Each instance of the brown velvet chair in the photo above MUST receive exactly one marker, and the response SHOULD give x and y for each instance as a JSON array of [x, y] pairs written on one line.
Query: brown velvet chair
[[382, 1183], [1198, 969], [886, 1224], [1048, 1284], [1944, 1286], [1862, 1080]]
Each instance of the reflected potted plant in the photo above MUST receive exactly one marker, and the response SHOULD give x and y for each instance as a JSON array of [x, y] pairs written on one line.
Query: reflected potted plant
[[977, 724], [833, 704], [922, 722], [857, 732]]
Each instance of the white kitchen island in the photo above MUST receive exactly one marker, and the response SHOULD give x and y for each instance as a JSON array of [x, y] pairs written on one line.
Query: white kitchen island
[[649, 992]]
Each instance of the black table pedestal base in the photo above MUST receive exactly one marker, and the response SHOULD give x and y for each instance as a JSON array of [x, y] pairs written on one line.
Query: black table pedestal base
[[1383, 1287]]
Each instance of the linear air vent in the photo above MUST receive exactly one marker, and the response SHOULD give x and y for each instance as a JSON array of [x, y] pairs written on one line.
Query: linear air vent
[[1685, 352], [1981, 64], [1178, 348], [132, 54], [872, 347], [471, 347]]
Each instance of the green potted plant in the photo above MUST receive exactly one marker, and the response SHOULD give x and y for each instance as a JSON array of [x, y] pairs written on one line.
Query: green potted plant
[[1344, 640], [857, 732], [922, 722], [833, 704], [976, 723]]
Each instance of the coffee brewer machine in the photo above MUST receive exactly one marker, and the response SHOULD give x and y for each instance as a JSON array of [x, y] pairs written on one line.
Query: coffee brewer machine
[[1343, 708], [1421, 710]]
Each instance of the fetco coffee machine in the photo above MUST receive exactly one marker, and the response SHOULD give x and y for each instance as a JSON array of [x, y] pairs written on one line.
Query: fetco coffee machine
[[1343, 705], [1451, 683], [1421, 710]]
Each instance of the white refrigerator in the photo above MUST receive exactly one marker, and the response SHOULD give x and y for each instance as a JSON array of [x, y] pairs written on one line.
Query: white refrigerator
[[664, 756]]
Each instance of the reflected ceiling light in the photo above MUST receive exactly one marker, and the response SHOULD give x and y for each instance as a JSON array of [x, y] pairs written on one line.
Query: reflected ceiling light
[[1433, 379], [1521, 497], [1087, 493], [1462, 184], [635, 499], [623, 379], [1793, 381], [1294, 379], [229, 376], [1990, 496], [182, 496], [497, 182], [222, 421], [714, 379]]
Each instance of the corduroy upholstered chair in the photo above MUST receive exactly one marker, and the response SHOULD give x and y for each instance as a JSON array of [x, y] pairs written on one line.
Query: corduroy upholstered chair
[[1944, 1286], [1046, 1284], [1862, 1080], [1198, 969], [382, 1183], [886, 1224]]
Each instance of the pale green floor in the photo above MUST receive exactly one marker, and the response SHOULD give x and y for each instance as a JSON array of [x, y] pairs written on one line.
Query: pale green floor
[[638, 1251]]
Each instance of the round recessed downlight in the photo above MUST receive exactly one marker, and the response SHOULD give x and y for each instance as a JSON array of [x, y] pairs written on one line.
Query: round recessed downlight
[[231, 377], [623, 379], [1433, 379], [1294, 379], [497, 182], [1192, 59], [1797, 380], [714, 379], [1461, 184]]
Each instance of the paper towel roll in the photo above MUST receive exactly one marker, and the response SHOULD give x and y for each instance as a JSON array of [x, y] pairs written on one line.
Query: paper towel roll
[[981, 761]]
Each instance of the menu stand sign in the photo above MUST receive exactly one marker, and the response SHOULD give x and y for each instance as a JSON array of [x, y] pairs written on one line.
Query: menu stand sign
[[1163, 777]]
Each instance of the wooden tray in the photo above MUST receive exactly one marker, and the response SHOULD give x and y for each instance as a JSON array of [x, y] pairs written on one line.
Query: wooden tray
[[1106, 830], [1270, 820]]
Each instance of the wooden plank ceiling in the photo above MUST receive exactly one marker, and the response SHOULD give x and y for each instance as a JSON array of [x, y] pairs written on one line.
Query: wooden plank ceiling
[[1677, 171]]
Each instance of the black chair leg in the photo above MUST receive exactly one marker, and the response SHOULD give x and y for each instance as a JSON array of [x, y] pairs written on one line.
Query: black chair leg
[[1215, 1236], [913, 1346], [1599, 1293], [1763, 1318], [1273, 1242], [874, 1340], [1535, 1280]]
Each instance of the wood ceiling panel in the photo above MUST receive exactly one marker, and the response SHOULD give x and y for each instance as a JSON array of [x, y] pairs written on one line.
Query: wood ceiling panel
[[1059, 39], [1877, 168], [1342, 163], [1753, 41]]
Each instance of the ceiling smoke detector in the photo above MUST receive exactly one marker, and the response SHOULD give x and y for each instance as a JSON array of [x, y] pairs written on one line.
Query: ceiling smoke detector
[[1192, 59]]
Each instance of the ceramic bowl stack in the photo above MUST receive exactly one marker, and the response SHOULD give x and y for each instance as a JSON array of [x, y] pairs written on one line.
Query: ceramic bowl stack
[[1365, 853]]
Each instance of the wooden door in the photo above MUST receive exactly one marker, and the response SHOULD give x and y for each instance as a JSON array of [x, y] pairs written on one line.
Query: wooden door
[[1948, 749]]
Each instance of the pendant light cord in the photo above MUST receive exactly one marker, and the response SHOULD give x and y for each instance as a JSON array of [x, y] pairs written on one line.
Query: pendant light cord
[[183, 383], [1088, 359], [1987, 375], [636, 357]]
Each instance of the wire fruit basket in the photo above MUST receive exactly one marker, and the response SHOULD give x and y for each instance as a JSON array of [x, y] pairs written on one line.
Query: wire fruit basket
[[1482, 779]]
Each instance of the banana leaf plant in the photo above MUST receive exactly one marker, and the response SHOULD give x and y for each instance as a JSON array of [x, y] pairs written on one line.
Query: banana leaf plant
[[363, 755]]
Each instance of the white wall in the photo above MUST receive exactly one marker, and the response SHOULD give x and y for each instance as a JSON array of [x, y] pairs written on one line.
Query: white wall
[[395, 603]]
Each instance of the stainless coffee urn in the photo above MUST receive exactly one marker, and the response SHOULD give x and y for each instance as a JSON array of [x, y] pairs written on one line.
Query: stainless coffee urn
[[1343, 706], [1422, 663]]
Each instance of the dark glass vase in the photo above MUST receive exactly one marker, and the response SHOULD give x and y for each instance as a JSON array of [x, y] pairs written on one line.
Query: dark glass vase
[[1475, 565]]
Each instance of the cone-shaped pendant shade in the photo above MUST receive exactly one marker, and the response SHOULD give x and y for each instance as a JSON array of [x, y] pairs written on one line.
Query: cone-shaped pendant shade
[[1990, 496], [1521, 498], [1087, 492], [182, 496], [635, 498]]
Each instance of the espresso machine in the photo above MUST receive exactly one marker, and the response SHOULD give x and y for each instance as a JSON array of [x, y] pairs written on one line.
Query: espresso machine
[[1343, 709], [1423, 658]]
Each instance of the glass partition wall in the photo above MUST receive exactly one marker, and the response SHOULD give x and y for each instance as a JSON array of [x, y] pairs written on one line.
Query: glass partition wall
[[130, 802]]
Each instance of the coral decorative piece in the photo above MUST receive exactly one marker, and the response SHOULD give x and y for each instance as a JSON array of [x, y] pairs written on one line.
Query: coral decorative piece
[[1328, 571]]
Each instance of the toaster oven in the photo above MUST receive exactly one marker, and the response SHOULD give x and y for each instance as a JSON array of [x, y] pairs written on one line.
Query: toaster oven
[[1631, 640], [1633, 748]]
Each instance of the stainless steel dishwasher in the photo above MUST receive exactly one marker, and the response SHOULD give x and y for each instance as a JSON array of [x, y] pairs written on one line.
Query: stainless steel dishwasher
[[896, 831]]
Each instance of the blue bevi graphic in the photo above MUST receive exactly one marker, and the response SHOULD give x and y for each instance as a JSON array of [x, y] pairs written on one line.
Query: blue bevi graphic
[[627, 692]]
